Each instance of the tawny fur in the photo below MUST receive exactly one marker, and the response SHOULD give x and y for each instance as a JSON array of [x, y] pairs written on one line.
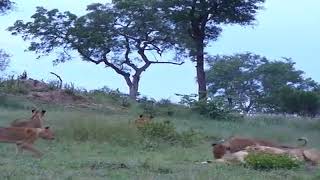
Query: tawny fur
[[143, 120], [312, 155], [36, 120], [235, 144], [24, 137], [234, 158]]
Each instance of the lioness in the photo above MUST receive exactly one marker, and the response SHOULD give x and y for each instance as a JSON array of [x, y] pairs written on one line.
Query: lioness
[[36, 120], [301, 154], [142, 120], [24, 137], [235, 144]]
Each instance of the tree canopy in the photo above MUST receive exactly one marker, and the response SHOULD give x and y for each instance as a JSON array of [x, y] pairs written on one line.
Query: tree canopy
[[5, 6], [250, 82], [124, 39], [199, 22]]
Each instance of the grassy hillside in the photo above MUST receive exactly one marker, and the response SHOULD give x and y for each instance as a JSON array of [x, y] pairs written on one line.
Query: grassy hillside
[[99, 142]]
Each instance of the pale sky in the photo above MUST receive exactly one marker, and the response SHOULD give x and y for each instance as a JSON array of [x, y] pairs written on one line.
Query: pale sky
[[285, 28]]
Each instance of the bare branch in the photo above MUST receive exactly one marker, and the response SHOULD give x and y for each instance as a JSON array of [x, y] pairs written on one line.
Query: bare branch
[[128, 50], [166, 62], [60, 85]]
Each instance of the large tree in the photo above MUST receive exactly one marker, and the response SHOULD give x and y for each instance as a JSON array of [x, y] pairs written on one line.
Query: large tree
[[5, 6], [126, 39], [199, 22], [249, 82]]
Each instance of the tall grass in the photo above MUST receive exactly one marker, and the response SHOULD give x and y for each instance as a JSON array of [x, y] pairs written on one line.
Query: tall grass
[[103, 144]]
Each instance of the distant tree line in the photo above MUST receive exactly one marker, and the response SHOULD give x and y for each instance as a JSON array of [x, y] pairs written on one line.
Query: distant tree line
[[252, 83]]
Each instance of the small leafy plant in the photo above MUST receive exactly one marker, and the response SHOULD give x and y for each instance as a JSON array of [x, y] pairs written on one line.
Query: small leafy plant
[[265, 161]]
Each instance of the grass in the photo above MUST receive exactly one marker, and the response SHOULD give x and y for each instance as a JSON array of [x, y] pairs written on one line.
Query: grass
[[97, 144]]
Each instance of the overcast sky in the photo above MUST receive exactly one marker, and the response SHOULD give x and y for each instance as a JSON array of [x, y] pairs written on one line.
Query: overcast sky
[[285, 28]]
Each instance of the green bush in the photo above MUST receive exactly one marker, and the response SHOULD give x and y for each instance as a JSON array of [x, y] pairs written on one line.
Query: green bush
[[165, 132], [159, 131], [264, 161], [13, 86], [147, 105], [189, 138], [209, 109]]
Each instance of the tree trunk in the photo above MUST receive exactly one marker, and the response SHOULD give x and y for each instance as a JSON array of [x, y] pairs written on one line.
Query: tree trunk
[[201, 77], [133, 86]]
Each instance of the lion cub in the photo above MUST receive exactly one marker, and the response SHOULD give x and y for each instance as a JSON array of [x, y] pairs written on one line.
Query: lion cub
[[24, 137], [36, 120]]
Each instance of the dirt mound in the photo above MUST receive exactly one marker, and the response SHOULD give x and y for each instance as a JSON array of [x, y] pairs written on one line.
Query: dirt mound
[[34, 85], [56, 96]]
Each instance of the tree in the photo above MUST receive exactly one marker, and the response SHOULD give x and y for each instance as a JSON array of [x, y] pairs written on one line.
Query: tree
[[274, 75], [297, 101], [4, 60], [5, 5], [198, 22], [126, 39], [235, 78], [250, 82]]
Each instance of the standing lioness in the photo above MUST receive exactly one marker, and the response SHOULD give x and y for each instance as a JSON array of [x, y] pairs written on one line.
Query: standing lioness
[[24, 138], [36, 120]]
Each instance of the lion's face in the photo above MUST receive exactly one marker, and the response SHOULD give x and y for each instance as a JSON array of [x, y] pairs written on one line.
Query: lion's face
[[219, 150], [47, 134]]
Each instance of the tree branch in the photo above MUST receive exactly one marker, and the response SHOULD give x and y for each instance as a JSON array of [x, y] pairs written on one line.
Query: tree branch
[[60, 85], [127, 59], [165, 62], [107, 63]]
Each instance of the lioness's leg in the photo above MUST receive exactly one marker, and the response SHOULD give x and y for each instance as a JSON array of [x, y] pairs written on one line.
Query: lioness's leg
[[18, 148], [32, 149]]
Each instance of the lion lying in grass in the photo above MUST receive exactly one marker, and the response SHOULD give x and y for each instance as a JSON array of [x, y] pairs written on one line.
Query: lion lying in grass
[[235, 144], [236, 149]]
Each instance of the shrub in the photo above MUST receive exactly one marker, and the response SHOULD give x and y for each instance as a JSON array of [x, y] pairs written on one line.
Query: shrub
[[53, 85], [264, 161], [189, 138], [159, 131], [187, 100], [147, 105], [13, 86], [165, 132], [209, 109], [70, 89]]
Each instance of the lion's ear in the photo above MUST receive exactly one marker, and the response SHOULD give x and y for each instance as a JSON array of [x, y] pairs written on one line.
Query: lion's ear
[[47, 127], [43, 112], [33, 110]]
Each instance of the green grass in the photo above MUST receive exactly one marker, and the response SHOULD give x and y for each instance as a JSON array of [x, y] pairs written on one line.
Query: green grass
[[102, 144]]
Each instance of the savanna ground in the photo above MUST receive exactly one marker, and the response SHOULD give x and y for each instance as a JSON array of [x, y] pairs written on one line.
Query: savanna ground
[[100, 143]]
